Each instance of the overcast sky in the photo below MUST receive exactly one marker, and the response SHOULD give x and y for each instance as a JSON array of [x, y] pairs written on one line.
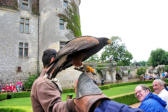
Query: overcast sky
[[141, 24]]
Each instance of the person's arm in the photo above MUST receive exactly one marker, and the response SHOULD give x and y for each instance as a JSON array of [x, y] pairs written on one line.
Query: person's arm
[[50, 98], [108, 105], [91, 99]]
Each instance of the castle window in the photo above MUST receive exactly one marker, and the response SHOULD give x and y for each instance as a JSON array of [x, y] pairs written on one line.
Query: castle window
[[24, 25], [19, 69], [62, 44], [65, 3], [27, 26], [61, 24], [23, 49], [25, 4], [26, 49], [21, 25]]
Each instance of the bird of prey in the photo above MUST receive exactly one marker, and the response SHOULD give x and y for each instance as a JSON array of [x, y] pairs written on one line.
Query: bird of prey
[[75, 52]]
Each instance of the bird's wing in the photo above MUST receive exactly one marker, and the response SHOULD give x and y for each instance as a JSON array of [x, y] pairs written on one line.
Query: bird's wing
[[75, 45], [76, 50], [78, 44]]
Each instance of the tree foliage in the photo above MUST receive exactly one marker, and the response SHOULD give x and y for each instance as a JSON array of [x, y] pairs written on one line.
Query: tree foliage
[[116, 52], [72, 18], [94, 58], [139, 63], [158, 57], [141, 70], [166, 68]]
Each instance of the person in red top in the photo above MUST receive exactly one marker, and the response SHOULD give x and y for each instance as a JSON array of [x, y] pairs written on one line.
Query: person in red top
[[18, 86]]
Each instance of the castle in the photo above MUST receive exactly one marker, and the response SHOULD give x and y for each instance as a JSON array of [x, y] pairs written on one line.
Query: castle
[[28, 27]]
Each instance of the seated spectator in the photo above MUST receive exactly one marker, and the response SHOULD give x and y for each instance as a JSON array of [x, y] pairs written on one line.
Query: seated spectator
[[149, 101], [166, 76], [150, 77], [146, 77], [10, 87], [166, 87], [159, 88], [13, 87], [18, 86], [7, 87], [163, 75], [0, 88]]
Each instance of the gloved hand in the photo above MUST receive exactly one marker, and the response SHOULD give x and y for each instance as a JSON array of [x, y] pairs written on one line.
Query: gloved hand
[[88, 95]]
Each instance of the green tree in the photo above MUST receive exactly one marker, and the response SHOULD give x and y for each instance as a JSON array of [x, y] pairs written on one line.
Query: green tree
[[116, 52], [94, 58], [166, 68], [158, 57], [141, 71], [139, 63]]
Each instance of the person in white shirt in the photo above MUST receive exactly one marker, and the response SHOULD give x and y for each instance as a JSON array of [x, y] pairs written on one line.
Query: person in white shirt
[[159, 88]]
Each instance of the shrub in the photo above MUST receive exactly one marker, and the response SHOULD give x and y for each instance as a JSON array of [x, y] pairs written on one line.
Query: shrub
[[8, 96], [123, 84], [20, 94], [104, 87], [166, 80], [29, 82], [3, 96], [141, 70]]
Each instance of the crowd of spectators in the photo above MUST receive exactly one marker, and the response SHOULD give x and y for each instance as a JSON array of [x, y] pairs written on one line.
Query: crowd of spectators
[[163, 75], [11, 87]]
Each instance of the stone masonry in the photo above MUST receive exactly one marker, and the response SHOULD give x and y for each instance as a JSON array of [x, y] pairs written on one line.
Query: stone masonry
[[44, 32]]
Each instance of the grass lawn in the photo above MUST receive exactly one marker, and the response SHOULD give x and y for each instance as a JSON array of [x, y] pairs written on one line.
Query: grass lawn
[[121, 90], [25, 103], [21, 103]]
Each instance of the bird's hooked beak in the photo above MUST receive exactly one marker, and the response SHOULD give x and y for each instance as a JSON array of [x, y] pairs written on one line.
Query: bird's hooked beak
[[109, 41]]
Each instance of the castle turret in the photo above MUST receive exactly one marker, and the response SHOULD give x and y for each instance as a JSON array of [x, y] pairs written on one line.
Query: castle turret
[[53, 28]]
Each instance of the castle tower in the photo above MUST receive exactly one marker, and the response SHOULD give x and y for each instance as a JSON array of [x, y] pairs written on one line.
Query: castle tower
[[26, 32], [53, 31]]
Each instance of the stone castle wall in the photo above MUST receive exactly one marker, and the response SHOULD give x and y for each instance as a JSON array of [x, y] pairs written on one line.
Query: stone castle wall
[[10, 37], [44, 33]]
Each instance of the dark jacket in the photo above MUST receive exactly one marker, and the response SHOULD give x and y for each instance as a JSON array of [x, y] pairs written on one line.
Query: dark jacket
[[153, 103], [112, 106]]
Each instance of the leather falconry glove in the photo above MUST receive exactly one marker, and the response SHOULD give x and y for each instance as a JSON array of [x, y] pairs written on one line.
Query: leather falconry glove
[[88, 94]]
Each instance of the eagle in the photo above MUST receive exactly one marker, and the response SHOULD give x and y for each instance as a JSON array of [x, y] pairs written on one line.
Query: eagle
[[75, 52]]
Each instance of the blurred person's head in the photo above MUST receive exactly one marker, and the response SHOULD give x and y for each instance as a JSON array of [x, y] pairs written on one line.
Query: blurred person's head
[[141, 91], [158, 85], [48, 56]]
